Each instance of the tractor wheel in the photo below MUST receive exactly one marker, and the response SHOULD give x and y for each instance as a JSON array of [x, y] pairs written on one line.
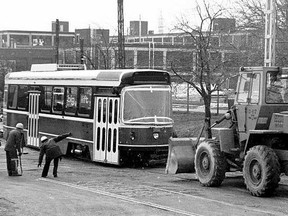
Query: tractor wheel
[[261, 171], [210, 164]]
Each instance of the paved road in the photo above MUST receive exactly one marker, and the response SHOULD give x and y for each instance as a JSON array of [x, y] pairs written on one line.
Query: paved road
[[85, 188], [30, 195]]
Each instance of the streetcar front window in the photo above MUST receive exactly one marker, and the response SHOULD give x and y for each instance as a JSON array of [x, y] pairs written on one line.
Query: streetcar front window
[[147, 105]]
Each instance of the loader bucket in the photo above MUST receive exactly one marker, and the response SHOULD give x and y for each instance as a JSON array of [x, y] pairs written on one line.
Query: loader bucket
[[181, 155]]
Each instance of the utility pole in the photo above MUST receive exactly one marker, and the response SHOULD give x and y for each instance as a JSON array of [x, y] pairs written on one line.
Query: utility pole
[[121, 47], [57, 29], [270, 33], [82, 57]]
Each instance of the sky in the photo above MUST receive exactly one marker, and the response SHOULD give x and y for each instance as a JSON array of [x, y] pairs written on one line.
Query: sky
[[37, 15]]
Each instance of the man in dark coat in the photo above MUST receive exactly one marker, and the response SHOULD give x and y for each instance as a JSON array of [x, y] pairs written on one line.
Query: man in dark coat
[[15, 141], [52, 151]]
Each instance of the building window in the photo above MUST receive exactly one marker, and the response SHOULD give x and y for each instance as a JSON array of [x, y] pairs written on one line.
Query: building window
[[167, 40], [61, 28], [157, 40]]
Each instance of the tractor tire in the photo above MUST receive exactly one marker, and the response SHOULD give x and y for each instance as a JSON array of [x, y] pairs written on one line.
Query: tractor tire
[[261, 171], [210, 164]]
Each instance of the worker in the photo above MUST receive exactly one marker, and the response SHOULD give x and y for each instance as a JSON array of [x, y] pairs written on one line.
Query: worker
[[15, 141], [273, 93], [52, 151]]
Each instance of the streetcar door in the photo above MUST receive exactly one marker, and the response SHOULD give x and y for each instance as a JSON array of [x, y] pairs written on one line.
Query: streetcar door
[[33, 119], [106, 123]]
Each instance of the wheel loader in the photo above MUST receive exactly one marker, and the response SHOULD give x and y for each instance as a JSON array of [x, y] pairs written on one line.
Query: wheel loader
[[255, 143]]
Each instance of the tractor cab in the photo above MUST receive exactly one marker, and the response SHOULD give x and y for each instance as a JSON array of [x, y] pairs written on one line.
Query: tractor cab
[[262, 85], [261, 91]]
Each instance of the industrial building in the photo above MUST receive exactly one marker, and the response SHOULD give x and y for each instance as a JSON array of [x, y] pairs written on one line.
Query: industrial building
[[143, 48]]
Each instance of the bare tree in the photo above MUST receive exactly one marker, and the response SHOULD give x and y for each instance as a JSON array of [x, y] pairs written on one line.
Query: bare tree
[[282, 33], [251, 15], [206, 74], [6, 66], [101, 55]]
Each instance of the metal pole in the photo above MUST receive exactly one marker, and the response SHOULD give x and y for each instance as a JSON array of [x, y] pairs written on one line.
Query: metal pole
[[82, 50], [149, 55], [121, 47], [217, 101], [270, 33], [153, 55], [57, 28], [188, 102]]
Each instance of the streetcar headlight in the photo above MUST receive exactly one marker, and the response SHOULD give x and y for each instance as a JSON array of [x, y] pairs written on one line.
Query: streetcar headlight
[[156, 135], [132, 136]]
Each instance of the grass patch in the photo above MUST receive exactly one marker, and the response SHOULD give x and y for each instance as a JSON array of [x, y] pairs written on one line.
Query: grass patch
[[190, 124]]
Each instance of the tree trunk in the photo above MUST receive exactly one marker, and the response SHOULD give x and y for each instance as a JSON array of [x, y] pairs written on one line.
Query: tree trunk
[[207, 104]]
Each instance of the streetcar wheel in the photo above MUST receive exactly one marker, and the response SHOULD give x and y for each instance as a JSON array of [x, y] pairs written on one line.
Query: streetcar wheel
[[261, 170], [210, 164]]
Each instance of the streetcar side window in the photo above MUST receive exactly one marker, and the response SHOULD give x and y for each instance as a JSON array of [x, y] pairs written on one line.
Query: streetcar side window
[[71, 100], [23, 97], [5, 99], [46, 99], [58, 100], [85, 101], [34, 88], [12, 96]]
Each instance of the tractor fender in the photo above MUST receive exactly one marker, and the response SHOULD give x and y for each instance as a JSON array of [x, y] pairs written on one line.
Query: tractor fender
[[226, 139], [257, 137]]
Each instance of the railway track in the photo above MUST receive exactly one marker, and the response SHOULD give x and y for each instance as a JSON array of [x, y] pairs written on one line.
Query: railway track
[[124, 198], [154, 197], [173, 194]]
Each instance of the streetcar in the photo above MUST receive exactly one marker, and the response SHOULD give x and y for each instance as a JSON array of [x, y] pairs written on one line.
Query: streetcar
[[115, 116]]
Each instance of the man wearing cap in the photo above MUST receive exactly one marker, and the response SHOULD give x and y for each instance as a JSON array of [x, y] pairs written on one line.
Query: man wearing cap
[[15, 141], [52, 151]]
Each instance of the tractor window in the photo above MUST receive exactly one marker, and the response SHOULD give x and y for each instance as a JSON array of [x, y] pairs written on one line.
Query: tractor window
[[276, 88], [255, 89], [244, 86], [249, 82]]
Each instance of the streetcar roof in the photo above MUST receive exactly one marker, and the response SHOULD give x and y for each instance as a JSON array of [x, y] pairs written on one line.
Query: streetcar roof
[[74, 77]]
